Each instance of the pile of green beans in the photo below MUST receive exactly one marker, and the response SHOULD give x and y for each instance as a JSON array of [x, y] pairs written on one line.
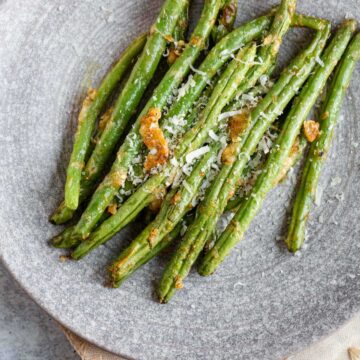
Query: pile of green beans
[[209, 119]]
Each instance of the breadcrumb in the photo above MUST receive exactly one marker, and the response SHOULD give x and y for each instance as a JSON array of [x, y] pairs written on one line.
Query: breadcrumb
[[154, 139], [238, 124], [112, 209], [311, 130]]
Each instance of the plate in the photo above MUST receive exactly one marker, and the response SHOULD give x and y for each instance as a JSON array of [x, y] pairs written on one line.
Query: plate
[[263, 303]]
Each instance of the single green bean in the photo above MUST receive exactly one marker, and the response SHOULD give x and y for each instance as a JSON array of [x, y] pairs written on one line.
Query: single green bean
[[320, 147], [92, 106]]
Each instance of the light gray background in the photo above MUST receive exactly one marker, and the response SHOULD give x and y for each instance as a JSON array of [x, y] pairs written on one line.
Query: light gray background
[[262, 304], [26, 331]]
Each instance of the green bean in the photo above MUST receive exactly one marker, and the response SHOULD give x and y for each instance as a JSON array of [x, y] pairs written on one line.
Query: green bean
[[320, 147]]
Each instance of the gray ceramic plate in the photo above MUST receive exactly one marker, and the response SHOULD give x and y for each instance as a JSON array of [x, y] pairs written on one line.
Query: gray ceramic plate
[[262, 304]]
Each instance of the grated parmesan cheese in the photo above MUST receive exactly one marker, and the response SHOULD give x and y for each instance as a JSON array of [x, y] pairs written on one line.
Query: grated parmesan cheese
[[187, 169], [319, 61], [197, 71], [183, 228], [197, 154], [169, 129], [177, 121], [263, 80], [184, 89], [194, 201], [137, 159], [213, 135], [224, 222], [174, 162], [249, 99], [228, 114], [215, 167], [265, 116]]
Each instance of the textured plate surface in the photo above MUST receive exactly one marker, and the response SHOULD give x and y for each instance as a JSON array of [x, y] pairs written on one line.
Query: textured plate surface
[[262, 304]]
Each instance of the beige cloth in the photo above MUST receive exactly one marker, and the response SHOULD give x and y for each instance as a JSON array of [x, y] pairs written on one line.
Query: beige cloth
[[344, 344]]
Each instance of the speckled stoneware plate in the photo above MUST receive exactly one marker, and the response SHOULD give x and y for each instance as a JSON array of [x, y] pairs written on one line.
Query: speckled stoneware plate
[[263, 303]]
